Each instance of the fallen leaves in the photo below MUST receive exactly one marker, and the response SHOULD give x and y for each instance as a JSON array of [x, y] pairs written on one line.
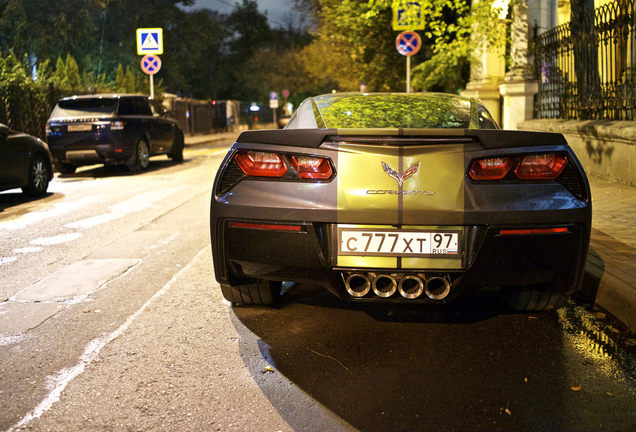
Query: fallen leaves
[[505, 410], [575, 388], [268, 369]]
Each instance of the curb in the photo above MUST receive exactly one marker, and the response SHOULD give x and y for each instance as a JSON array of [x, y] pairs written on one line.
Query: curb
[[609, 292]]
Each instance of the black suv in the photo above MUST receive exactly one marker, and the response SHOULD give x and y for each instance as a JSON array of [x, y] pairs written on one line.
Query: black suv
[[110, 129]]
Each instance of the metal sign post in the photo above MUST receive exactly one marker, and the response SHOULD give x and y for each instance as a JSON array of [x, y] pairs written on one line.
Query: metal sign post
[[150, 43], [150, 65], [407, 44], [273, 104]]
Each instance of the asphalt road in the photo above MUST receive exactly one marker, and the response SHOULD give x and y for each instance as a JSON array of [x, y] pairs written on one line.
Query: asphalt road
[[111, 320]]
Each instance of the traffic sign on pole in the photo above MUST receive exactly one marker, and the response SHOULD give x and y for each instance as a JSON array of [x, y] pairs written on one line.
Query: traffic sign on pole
[[149, 41], [408, 43], [407, 15], [150, 64], [273, 100]]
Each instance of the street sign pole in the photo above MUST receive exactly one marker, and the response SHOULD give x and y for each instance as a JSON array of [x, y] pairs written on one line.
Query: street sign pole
[[150, 45], [408, 16], [408, 74], [407, 44], [273, 104]]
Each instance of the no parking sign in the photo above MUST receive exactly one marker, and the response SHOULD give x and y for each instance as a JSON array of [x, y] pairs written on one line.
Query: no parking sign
[[408, 43], [150, 64]]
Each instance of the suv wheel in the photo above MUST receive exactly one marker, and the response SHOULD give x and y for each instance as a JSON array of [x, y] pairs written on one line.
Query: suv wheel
[[141, 156], [176, 153]]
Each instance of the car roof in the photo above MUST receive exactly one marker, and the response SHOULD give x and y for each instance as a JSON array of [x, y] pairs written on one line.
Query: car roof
[[105, 96]]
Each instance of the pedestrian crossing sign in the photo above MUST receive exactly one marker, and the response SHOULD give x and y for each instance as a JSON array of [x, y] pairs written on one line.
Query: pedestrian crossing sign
[[149, 41], [407, 15]]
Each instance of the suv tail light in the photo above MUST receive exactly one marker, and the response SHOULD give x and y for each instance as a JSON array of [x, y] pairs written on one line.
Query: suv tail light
[[310, 167], [261, 164], [490, 169], [541, 167]]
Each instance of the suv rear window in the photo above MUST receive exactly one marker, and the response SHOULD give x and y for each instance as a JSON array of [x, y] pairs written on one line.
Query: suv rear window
[[134, 106], [89, 107]]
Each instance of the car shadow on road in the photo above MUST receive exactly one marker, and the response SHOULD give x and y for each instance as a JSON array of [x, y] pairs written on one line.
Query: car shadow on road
[[11, 199], [103, 171], [469, 366]]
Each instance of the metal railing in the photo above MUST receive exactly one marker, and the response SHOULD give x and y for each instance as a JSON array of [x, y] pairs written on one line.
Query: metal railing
[[587, 68]]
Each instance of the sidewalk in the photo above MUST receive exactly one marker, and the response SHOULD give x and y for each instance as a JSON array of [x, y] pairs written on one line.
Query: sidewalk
[[610, 272], [195, 140]]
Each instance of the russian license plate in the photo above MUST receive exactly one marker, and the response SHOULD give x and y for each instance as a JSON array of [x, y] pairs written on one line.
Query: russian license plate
[[404, 243], [79, 127]]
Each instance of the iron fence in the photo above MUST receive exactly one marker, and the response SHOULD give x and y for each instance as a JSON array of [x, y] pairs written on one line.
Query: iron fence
[[587, 67]]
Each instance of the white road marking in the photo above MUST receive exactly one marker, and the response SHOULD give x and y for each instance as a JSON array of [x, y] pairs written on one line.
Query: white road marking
[[7, 260], [57, 210], [28, 250], [124, 208], [10, 339], [92, 350], [55, 240]]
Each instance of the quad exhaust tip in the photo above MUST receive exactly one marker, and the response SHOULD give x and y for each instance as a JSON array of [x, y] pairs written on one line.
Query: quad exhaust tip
[[411, 287], [384, 285], [436, 288], [358, 285]]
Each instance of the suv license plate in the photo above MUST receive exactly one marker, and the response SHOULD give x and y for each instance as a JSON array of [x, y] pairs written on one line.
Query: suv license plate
[[79, 128], [412, 243]]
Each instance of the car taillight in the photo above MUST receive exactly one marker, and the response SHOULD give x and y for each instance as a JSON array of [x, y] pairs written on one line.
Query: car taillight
[[545, 166], [541, 166], [261, 164], [490, 168], [310, 167], [117, 125]]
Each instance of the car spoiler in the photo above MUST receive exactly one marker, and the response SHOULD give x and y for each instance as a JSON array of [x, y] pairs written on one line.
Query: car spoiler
[[489, 138]]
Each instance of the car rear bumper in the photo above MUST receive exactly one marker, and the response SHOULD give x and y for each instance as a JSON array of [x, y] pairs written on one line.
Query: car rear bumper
[[490, 256], [89, 148]]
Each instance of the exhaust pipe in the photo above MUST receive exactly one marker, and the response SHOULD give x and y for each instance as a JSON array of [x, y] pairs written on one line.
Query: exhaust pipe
[[384, 285], [411, 287], [358, 285], [437, 288]]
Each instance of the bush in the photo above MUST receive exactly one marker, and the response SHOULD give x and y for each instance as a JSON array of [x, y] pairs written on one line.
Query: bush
[[25, 103]]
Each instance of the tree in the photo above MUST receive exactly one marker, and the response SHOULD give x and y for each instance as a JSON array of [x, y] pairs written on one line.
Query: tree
[[362, 32]]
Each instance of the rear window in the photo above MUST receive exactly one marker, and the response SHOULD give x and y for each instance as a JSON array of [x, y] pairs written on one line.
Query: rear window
[[394, 111], [91, 107]]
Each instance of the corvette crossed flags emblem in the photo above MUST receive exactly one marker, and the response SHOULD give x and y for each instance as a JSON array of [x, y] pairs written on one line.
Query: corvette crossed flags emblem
[[400, 177]]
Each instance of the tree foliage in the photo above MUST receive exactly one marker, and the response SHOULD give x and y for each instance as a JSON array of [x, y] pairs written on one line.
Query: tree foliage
[[360, 32]]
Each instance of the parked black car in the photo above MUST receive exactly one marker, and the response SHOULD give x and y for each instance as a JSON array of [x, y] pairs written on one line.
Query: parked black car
[[110, 129], [25, 162]]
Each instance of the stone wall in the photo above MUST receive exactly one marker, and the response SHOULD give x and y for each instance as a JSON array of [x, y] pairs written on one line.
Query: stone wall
[[606, 149]]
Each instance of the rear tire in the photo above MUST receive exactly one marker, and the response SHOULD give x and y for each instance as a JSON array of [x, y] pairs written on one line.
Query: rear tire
[[141, 156], [261, 292], [176, 153], [39, 175], [525, 299]]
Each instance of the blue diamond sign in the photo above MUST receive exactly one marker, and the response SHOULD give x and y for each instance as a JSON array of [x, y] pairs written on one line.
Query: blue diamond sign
[[149, 41]]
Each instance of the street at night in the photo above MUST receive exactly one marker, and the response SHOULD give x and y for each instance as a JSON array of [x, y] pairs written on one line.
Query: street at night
[[113, 321]]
